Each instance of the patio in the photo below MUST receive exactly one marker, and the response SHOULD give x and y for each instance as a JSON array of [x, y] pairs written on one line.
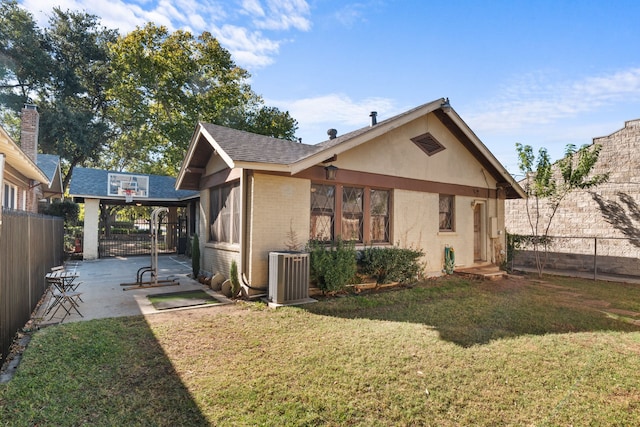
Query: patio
[[104, 297]]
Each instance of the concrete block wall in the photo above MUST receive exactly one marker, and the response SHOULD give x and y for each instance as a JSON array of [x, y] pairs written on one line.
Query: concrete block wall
[[610, 212]]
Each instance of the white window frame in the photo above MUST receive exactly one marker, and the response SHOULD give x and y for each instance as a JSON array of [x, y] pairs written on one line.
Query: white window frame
[[7, 194]]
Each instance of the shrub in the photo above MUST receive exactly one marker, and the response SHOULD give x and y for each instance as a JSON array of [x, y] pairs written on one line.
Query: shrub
[[195, 256], [332, 266], [66, 209], [391, 264], [233, 277], [517, 242]]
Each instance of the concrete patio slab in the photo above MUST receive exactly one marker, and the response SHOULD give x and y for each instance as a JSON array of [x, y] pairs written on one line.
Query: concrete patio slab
[[104, 297]]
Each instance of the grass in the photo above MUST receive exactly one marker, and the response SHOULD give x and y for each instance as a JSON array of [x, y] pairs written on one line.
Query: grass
[[447, 352]]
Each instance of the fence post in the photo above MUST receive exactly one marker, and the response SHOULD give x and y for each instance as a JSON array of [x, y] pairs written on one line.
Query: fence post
[[595, 258]]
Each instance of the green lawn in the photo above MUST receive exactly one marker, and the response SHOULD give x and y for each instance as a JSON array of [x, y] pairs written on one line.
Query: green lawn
[[447, 352]]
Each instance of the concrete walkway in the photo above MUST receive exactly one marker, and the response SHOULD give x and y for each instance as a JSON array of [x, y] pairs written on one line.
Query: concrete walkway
[[102, 293]]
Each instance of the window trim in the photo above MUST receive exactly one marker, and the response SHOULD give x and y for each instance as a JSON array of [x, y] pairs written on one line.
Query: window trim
[[322, 211], [234, 216], [6, 193], [452, 213], [366, 213], [358, 215], [388, 216]]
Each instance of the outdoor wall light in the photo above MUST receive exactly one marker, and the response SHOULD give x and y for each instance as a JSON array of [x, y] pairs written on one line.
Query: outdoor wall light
[[330, 172], [446, 107]]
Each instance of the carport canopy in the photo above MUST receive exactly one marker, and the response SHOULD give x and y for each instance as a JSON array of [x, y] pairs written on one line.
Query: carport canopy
[[94, 187]]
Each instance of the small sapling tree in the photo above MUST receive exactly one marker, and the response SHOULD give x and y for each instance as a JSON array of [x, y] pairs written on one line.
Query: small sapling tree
[[546, 185]]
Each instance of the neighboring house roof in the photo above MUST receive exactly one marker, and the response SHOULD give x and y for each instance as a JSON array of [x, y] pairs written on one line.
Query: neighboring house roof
[[19, 160], [50, 165], [240, 149], [93, 183]]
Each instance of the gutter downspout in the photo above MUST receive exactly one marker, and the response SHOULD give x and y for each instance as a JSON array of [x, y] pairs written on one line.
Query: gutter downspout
[[247, 177]]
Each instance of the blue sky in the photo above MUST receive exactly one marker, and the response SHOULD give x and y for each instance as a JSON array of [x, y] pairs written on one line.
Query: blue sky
[[543, 73]]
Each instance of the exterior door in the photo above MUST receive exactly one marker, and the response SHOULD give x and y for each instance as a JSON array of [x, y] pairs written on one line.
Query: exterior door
[[477, 232]]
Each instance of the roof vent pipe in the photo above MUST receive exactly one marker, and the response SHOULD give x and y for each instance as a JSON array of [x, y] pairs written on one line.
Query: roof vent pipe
[[332, 133], [374, 118]]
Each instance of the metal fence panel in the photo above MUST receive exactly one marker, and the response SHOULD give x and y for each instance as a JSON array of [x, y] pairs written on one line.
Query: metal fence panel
[[597, 257], [29, 245]]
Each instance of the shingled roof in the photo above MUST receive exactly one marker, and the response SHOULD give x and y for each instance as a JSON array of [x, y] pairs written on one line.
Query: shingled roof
[[250, 147], [93, 183], [240, 149]]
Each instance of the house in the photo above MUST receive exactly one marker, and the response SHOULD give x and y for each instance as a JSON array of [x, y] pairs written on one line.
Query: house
[[19, 173], [421, 179], [599, 228], [50, 165]]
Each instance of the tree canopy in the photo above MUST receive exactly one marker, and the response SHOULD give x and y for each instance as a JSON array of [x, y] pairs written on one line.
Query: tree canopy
[[163, 83], [124, 102]]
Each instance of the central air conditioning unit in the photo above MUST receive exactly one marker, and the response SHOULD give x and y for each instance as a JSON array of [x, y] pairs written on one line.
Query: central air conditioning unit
[[288, 277]]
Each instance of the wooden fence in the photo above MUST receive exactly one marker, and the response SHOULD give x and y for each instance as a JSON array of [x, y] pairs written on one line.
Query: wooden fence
[[29, 246]]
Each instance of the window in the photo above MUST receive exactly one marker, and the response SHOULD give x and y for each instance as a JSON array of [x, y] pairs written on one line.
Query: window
[[352, 213], [446, 213], [379, 230], [10, 196], [364, 213], [224, 212], [322, 212]]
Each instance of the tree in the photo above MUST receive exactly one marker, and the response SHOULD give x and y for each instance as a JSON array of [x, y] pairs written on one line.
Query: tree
[[123, 102], [546, 187], [164, 83], [24, 61], [63, 70], [74, 121]]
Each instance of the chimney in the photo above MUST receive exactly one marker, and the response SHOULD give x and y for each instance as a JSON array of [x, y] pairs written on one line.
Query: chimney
[[332, 133], [374, 118], [30, 119]]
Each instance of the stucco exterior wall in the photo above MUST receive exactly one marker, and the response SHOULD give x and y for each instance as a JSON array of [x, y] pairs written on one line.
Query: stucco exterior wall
[[277, 207], [395, 154], [415, 225], [608, 212], [279, 211], [91, 228]]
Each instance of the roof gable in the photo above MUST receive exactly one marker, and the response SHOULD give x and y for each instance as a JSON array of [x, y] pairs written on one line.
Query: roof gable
[[244, 149], [50, 165]]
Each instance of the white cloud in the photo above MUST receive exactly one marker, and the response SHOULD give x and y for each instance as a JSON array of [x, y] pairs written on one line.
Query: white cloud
[[338, 111], [285, 15], [351, 14], [247, 47], [252, 8], [338, 108], [535, 100]]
